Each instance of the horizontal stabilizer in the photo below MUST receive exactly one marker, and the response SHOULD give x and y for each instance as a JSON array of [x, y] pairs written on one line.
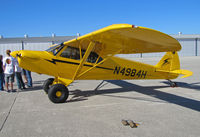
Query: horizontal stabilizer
[[185, 73]]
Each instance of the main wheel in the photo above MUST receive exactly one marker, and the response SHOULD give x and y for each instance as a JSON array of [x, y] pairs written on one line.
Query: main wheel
[[47, 84], [58, 93]]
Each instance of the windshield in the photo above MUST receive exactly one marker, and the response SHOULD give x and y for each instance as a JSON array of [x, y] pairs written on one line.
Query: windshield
[[55, 49]]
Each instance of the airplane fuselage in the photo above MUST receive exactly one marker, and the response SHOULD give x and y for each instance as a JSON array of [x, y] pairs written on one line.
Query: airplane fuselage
[[115, 68]]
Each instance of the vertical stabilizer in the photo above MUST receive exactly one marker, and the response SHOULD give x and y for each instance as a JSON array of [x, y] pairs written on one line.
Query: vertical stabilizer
[[170, 64], [170, 61]]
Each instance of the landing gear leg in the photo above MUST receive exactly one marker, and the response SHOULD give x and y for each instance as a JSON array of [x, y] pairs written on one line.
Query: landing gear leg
[[172, 84]]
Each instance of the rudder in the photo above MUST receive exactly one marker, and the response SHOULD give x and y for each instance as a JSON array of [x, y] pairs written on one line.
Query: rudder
[[169, 62]]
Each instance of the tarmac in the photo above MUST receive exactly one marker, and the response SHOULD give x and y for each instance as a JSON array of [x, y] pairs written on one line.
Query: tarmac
[[95, 108]]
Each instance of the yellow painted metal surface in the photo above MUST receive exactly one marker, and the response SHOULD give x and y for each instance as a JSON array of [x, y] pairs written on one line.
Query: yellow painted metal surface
[[114, 39], [129, 39]]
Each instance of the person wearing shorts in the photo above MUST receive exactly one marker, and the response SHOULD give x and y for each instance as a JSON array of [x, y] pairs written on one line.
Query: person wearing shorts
[[9, 78], [9, 70]]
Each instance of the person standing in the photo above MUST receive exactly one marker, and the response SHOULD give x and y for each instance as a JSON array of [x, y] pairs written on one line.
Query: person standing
[[29, 78], [1, 74], [9, 69], [24, 75], [18, 76]]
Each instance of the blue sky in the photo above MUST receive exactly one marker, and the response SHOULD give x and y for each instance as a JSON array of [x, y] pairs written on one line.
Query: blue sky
[[69, 17]]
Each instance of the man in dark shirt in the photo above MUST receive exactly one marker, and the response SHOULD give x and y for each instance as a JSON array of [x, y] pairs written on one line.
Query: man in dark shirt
[[1, 73]]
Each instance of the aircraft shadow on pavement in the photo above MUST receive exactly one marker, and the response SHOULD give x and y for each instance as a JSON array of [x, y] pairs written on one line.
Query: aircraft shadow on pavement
[[153, 91], [195, 86]]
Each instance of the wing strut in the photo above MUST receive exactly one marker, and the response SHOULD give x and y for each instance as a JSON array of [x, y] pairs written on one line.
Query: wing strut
[[87, 53], [99, 63]]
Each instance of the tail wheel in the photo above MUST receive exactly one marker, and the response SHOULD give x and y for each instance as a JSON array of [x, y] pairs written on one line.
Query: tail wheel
[[58, 93], [173, 84], [47, 84]]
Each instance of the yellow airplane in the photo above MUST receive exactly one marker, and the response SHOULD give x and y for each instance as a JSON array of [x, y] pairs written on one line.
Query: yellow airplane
[[92, 57]]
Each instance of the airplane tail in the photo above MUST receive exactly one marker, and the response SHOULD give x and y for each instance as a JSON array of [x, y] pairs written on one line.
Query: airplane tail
[[170, 63]]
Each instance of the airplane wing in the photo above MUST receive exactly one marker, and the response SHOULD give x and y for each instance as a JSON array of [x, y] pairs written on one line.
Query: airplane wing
[[128, 39]]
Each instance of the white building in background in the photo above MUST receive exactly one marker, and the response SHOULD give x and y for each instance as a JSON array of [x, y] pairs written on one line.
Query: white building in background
[[31, 43], [190, 44]]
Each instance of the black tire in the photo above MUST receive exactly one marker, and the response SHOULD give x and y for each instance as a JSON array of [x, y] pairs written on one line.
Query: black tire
[[47, 84], [173, 84], [58, 93]]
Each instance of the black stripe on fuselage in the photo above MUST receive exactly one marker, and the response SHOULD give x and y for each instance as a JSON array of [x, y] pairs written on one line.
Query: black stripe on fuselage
[[62, 61], [74, 63]]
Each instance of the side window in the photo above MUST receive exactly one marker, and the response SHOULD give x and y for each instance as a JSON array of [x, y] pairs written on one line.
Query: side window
[[74, 53], [71, 52], [92, 57]]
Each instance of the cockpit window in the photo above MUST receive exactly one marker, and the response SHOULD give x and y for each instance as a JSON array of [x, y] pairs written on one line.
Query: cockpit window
[[71, 52], [55, 49], [74, 53]]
